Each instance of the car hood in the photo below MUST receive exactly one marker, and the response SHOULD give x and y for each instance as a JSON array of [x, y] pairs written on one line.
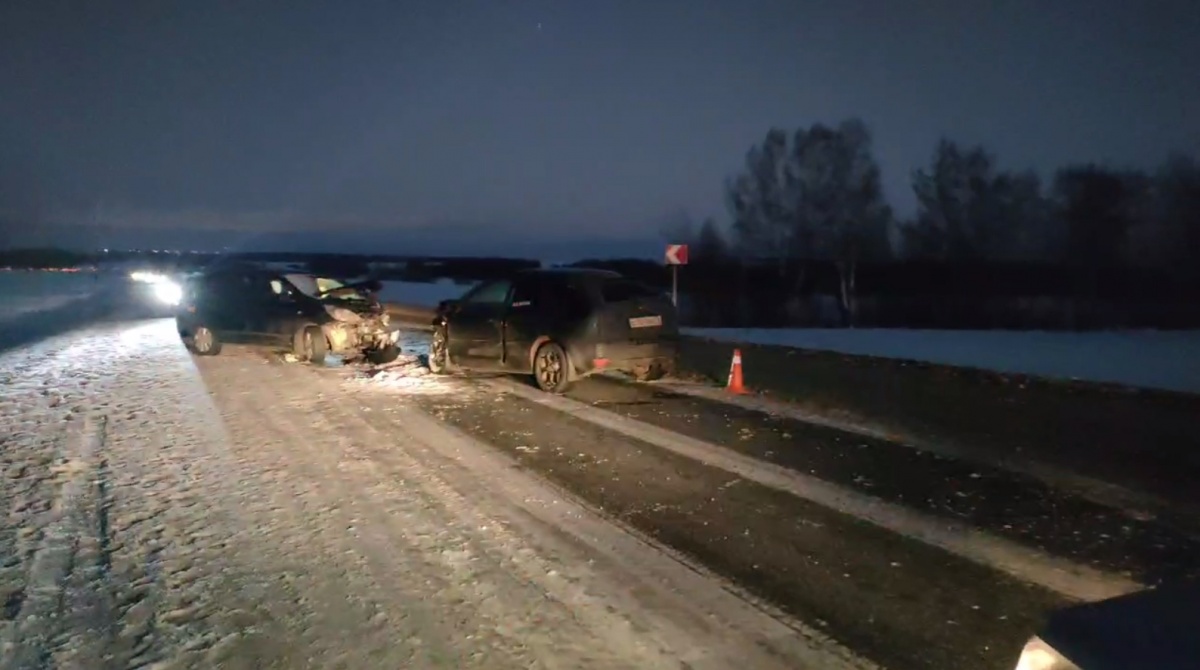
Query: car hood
[[361, 307]]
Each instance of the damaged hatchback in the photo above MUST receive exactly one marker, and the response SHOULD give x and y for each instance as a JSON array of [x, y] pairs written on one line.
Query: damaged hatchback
[[558, 325], [310, 315]]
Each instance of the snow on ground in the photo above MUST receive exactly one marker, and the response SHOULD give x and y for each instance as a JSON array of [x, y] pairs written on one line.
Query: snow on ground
[[421, 293], [1168, 360]]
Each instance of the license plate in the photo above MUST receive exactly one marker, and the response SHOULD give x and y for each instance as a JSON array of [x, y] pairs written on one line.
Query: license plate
[[645, 322]]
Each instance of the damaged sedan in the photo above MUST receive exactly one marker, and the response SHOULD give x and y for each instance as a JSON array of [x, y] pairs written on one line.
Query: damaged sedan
[[311, 316]]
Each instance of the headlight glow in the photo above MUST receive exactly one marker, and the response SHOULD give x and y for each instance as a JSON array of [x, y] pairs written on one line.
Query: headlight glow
[[168, 292]]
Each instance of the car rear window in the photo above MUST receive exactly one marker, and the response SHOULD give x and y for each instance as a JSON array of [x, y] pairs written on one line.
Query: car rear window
[[620, 290]]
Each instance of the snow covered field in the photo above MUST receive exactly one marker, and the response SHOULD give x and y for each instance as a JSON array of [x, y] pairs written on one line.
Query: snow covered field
[[421, 294], [1168, 360], [24, 292]]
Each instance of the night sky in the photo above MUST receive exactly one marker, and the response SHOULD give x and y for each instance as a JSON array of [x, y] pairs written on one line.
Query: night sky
[[568, 120]]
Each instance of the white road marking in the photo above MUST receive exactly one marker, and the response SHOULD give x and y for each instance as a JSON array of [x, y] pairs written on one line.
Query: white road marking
[[1061, 576]]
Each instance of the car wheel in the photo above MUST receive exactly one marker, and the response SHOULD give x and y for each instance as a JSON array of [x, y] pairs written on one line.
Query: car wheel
[[383, 355], [552, 368], [205, 342], [438, 351], [309, 345]]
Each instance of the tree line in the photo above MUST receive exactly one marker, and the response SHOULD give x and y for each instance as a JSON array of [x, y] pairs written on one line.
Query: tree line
[[813, 198]]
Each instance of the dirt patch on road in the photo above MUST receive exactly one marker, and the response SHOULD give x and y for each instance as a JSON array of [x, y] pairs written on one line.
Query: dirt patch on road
[[1145, 440]]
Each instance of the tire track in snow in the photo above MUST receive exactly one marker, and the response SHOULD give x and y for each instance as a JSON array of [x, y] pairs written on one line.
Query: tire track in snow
[[67, 589]]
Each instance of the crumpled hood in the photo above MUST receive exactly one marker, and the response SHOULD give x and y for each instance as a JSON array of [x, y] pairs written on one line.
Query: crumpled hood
[[360, 307]]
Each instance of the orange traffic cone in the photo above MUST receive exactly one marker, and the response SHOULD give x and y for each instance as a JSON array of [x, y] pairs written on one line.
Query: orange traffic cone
[[735, 385]]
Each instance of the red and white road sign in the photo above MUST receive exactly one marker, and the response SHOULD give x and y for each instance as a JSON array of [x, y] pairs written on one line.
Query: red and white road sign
[[676, 254]]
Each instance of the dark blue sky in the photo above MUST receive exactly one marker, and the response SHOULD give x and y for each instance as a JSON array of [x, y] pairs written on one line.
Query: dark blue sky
[[563, 118]]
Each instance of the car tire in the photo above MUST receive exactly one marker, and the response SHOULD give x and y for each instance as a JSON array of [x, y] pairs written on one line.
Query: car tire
[[384, 355], [309, 345], [439, 348], [552, 369], [204, 342]]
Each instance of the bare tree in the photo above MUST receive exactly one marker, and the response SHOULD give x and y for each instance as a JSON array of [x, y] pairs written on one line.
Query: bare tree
[[840, 200], [709, 245], [1098, 206], [1177, 213], [759, 201], [968, 209]]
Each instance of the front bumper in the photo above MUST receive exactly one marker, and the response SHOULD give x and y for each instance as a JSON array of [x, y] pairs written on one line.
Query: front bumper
[[360, 337]]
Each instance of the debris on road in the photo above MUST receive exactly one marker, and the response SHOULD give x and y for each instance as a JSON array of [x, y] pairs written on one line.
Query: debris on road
[[409, 373]]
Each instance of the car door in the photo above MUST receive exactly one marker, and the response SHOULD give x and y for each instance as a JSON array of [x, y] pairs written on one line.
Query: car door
[[281, 311], [221, 306], [476, 327], [521, 324]]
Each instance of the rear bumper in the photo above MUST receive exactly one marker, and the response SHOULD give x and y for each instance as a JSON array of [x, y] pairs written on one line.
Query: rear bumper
[[628, 357]]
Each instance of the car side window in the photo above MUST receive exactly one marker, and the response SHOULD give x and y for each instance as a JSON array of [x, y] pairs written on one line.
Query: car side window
[[494, 293], [565, 299], [524, 293]]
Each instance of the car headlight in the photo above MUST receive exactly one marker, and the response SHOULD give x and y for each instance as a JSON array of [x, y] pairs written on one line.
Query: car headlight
[[1037, 655], [168, 292]]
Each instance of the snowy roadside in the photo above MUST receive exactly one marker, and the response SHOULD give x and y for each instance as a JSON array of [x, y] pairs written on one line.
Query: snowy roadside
[[121, 541], [1165, 360]]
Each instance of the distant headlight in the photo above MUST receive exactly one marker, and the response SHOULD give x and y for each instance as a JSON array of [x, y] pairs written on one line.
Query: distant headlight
[[147, 277], [1037, 655], [168, 292], [342, 314]]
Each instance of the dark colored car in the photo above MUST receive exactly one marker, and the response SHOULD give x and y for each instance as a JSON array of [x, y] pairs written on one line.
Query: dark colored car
[[311, 315], [1155, 628], [558, 325]]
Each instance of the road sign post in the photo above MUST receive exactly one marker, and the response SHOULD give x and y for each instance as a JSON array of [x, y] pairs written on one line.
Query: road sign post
[[677, 254]]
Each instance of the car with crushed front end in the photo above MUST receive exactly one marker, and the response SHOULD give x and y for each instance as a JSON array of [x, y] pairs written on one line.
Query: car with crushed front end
[[308, 314], [558, 325]]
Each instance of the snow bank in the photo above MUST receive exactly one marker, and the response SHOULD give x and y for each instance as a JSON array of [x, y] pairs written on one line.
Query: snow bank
[[1168, 360], [407, 374], [421, 293]]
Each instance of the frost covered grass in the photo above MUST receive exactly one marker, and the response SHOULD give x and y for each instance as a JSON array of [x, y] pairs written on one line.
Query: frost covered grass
[[1165, 360]]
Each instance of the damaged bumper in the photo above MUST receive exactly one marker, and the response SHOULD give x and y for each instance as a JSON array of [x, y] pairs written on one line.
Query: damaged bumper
[[361, 335]]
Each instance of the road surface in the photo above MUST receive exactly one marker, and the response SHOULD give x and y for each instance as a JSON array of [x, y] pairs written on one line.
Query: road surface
[[239, 511]]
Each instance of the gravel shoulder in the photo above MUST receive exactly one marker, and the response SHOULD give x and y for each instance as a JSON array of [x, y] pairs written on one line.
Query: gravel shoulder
[[1013, 506], [1143, 440]]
